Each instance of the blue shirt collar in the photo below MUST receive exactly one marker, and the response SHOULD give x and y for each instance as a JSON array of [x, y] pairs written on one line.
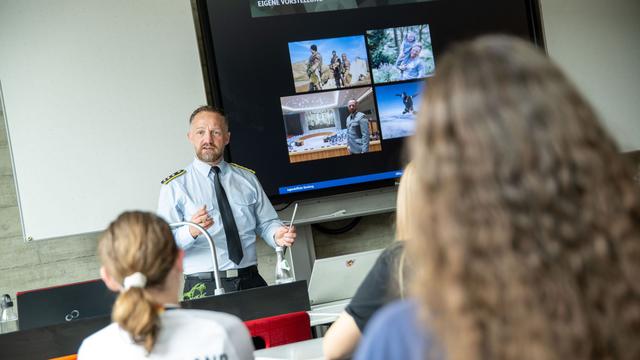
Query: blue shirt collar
[[204, 168]]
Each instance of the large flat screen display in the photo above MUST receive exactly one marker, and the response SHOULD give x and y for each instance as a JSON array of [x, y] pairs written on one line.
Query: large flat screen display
[[321, 95]]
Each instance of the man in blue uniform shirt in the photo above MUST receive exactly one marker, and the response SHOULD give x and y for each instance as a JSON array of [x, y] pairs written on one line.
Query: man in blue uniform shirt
[[357, 129], [225, 199]]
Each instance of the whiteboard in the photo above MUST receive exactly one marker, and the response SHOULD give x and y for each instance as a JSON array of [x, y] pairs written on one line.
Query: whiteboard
[[97, 97], [596, 43]]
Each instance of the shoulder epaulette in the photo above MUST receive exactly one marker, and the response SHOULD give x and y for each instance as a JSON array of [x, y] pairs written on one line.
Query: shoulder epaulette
[[173, 176], [243, 168]]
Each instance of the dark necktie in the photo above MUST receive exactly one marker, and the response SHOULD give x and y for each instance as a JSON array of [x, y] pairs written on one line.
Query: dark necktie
[[234, 246]]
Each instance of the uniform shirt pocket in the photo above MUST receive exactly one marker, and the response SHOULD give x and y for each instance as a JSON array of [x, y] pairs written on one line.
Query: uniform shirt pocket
[[242, 205], [243, 199]]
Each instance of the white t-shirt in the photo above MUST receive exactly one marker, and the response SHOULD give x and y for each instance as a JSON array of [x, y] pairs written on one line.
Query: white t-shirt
[[184, 334]]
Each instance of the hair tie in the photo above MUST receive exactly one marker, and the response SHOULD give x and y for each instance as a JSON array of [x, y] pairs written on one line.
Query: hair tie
[[137, 280]]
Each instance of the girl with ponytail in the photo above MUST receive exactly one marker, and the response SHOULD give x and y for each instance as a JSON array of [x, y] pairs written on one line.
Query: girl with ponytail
[[141, 261]]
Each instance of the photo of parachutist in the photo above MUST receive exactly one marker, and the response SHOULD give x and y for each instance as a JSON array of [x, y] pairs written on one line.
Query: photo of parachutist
[[407, 100]]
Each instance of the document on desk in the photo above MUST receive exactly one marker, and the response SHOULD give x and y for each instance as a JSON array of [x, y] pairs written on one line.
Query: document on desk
[[302, 350], [327, 313]]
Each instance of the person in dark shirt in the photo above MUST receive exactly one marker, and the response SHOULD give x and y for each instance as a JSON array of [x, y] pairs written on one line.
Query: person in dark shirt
[[383, 284]]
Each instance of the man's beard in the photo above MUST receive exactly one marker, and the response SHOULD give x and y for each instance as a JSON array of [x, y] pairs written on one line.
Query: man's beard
[[210, 155]]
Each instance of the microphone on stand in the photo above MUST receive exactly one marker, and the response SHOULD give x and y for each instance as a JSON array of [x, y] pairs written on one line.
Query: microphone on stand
[[219, 290]]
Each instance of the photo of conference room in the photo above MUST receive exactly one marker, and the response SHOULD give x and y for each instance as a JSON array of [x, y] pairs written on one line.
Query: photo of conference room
[[321, 126], [326, 64]]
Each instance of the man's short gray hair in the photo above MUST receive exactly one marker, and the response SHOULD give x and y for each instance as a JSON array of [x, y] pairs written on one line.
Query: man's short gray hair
[[212, 109]]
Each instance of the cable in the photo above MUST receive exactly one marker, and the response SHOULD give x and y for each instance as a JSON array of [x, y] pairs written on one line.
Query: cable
[[284, 207], [326, 230]]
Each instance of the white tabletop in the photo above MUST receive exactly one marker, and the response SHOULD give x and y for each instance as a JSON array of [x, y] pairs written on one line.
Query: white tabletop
[[327, 313], [302, 350]]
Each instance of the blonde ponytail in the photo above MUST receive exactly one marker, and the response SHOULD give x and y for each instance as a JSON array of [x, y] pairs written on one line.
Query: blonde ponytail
[[139, 316], [138, 244]]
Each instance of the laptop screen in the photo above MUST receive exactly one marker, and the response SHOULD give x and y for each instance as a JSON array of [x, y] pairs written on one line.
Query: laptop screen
[[338, 278], [60, 304]]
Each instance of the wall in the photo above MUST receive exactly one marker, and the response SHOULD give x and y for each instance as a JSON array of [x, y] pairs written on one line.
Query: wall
[[26, 266], [596, 43], [373, 232], [114, 82]]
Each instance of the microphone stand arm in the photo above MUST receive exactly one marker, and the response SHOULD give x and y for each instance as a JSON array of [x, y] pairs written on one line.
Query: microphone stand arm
[[219, 289]]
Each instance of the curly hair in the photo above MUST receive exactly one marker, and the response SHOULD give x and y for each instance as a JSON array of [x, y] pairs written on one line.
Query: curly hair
[[529, 218]]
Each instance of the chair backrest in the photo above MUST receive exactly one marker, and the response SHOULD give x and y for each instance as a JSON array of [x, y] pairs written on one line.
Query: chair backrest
[[280, 329], [68, 357], [65, 303]]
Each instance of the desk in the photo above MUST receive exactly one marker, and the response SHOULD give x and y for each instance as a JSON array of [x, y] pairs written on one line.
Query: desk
[[303, 350], [62, 339], [327, 313], [274, 300]]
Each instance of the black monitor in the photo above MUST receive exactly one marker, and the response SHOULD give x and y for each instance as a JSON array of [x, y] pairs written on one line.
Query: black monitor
[[61, 304], [285, 71]]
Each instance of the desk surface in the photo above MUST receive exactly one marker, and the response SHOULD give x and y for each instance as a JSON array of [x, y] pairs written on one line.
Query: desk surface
[[310, 349], [327, 313], [303, 350]]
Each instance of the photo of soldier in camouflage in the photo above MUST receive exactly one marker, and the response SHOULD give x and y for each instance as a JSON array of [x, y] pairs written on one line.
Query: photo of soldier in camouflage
[[345, 71], [314, 69], [336, 67], [326, 64]]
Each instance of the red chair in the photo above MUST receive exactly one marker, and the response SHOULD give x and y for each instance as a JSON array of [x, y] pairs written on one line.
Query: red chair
[[280, 329]]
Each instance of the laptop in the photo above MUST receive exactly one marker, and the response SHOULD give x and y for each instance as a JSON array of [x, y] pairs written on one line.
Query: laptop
[[61, 304], [337, 278]]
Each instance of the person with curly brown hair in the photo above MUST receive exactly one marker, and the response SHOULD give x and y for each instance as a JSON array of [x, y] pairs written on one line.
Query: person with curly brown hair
[[527, 220]]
